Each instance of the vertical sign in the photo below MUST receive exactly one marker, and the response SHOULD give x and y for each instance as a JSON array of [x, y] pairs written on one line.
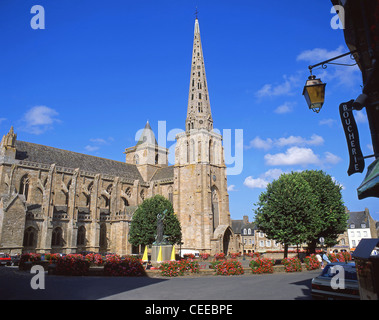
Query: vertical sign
[[357, 162]]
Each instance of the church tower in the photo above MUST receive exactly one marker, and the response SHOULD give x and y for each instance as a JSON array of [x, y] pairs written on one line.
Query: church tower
[[201, 199]]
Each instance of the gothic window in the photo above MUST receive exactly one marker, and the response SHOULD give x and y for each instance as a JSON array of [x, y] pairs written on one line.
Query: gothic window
[[199, 95], [142, 194], [30, 237], [24, 186], [56, 238], [126, 203], [156, 158], [81, 240], [128, 192]]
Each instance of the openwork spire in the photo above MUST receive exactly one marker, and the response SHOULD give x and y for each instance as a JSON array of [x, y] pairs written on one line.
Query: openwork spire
[[199, 111]]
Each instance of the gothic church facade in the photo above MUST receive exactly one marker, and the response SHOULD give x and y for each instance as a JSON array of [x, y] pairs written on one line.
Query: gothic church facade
[[54, 200]]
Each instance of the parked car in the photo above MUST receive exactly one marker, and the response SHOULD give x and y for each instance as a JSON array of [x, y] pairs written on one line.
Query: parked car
[[5, 259], [322, 284]]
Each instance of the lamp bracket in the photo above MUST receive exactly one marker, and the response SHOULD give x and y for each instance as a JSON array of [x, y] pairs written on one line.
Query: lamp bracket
[[323, 64]]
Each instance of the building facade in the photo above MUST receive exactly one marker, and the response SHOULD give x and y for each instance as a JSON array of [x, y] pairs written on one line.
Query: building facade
[[54, 200]]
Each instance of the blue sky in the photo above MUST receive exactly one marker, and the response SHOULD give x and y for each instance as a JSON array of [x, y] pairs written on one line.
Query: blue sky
[[99, 70]]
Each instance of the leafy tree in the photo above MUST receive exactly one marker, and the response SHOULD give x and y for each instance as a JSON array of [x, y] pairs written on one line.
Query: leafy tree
[[330, 216], [285, 210], [302, 207], [144, 223]]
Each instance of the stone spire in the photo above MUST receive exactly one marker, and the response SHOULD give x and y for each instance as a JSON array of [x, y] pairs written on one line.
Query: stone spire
[[199, 110]]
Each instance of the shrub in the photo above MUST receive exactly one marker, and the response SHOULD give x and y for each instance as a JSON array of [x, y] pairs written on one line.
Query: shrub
[[311, 262], [214, 264], [292, 264], [229, 268], [72, 265], [235, 255], [128, 267], [262, 265], [189, 256]]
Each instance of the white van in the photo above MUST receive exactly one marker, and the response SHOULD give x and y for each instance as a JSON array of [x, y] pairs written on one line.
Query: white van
[[187, 251]]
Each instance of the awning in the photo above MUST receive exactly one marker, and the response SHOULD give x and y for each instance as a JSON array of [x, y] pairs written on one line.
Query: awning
[[370, 185]]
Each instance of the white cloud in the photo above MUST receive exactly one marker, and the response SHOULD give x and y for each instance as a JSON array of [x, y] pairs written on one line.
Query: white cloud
[[267, 144], [315, 140], [319, 54], [263, 180], [259, 143], [300, 156], [252, 183], [96, 143], [360, 117], [90, 148], [347, 76], [286, 107], [232, 187], [279, 89], [327, 122], [39, 119], [293, 156]]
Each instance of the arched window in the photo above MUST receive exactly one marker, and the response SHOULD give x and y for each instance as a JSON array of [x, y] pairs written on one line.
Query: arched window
[[30, 237], [56, 237], [24, 186], [81, 240]]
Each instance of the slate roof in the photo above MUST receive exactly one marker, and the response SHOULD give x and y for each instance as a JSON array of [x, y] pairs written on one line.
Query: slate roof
[[48, 155], [164, 173], [358, 218]]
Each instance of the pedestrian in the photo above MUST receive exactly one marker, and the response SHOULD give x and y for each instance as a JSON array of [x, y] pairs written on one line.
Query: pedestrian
[[319, 259], [325, 257]]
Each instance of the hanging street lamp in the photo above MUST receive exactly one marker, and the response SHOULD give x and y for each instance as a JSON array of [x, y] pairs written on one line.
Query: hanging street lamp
[[314, 93]]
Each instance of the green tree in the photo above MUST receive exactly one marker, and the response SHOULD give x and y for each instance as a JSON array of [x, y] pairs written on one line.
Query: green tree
[[300, 208], [144, 223], [286, 209], [330, 218]]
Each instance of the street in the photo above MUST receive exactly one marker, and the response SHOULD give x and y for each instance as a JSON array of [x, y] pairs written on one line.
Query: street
[[15, 284]]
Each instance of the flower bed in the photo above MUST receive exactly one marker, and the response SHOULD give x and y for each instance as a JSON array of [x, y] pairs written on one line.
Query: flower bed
[[27, 260], [235, 255], [229, 268], [72, 265], [219, 256], [95, 258], [128, 267], [179, 268], [204, 256], [339, 257], [292, 264], [262, 265], [311, 262]]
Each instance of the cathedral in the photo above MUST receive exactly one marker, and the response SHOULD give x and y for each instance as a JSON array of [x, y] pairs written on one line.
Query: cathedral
[[54, 200]]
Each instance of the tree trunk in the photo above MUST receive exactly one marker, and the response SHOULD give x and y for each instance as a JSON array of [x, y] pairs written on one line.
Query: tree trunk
[[285, 250]]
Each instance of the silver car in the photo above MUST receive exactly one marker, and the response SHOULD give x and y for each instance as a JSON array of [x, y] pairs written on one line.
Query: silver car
[[332, 285]]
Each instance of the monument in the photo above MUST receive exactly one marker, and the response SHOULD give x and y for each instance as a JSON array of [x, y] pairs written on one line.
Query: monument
[[161, 248]]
